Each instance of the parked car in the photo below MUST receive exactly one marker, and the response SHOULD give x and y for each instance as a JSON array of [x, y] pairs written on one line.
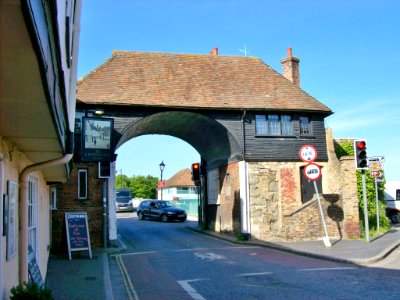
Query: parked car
[[161, 210], [124, 200]]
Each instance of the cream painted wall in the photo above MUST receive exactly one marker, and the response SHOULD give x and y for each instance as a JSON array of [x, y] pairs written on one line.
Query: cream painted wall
[[13, 162]]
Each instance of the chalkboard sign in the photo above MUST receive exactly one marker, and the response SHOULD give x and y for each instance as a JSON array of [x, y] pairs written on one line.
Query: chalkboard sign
[[77, 232], [33, 268]]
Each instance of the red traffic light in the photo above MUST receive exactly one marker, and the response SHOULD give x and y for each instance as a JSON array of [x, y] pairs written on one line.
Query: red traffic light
[[361, 145], [196, 166], [360, 154]]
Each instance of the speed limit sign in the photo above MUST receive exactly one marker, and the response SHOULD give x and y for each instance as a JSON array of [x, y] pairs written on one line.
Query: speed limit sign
[[312, 171], [308, 153]]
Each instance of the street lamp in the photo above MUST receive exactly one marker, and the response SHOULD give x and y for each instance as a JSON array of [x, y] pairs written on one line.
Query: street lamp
[[162, 166]]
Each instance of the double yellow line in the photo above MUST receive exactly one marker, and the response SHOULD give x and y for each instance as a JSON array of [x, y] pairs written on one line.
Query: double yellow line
[[130, 290]]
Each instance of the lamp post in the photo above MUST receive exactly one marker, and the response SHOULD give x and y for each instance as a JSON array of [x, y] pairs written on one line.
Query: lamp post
[[162, 166]]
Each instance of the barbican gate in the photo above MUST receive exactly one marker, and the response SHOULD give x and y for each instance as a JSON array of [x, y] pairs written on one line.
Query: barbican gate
[[247, 122]]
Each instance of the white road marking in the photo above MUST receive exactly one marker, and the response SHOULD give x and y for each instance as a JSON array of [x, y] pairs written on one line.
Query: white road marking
[[190, 290], [328, 269], [139, 253], [254, 274], [209, 256]]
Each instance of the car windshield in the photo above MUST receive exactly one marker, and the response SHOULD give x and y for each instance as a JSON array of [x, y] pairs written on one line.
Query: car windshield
[[123, 193], [123, 199], [163, 204]]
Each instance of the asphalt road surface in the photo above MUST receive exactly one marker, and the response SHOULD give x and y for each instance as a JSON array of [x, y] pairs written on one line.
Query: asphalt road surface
[[169, 261]]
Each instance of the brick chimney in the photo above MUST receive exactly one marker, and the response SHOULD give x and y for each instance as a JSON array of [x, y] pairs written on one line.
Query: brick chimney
[[214, 52], [290, 67]]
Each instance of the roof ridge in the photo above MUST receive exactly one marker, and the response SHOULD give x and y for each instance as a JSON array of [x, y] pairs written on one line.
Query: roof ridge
[[123, 52]]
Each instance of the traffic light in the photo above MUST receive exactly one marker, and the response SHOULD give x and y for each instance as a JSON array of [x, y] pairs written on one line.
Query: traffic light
[[360, 153], [196, 172]]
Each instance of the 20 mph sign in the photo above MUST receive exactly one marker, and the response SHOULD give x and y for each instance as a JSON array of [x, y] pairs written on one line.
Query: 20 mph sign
[[312, 171]]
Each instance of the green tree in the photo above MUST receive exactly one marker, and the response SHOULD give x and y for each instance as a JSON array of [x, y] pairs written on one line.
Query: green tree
[[143, 186], [346, 148], [122, 182]]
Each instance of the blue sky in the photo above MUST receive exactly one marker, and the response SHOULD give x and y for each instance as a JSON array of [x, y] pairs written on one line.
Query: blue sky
[[349, 60]]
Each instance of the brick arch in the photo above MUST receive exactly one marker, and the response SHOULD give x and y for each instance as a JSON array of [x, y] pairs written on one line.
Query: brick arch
[[214, 142]]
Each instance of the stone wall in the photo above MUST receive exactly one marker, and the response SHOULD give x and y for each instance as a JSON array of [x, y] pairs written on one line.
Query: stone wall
[[276, 209]]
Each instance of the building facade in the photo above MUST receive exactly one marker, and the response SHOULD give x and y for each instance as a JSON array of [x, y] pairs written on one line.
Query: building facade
[[248, 123], [181, 190], [38, 52]]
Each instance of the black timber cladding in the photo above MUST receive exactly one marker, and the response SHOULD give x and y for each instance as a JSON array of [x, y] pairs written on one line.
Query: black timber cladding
[[257, 148]]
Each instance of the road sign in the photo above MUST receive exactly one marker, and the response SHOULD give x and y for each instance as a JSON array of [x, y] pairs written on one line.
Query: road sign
[[161, 184], [375, 163], [308, 153], [312, 171], [375, 174]]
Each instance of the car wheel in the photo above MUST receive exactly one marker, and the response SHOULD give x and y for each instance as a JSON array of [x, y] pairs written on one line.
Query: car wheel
[[395, 218], [164, 218], [140, 215], [182, 220]]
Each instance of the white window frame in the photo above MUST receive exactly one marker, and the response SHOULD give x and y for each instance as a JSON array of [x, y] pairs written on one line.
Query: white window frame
[[12, 230], [33, 214], [53, 198], [85, 173]]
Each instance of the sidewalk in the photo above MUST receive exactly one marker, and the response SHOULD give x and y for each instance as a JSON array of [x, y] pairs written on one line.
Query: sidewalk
[[82, 278], [349, 251]]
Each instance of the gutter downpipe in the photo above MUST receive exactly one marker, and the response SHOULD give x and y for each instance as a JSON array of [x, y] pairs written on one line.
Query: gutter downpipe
[[23, 210]]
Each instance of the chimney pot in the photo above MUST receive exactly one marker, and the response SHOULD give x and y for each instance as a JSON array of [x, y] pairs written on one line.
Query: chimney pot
[[214, 51], [289, 52]]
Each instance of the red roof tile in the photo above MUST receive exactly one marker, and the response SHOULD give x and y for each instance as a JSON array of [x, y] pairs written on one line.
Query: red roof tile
[[192, 81], [182, 178]]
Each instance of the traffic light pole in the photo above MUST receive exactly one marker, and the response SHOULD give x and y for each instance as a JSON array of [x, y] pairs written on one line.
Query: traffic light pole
[[377, 206], [365, 206]]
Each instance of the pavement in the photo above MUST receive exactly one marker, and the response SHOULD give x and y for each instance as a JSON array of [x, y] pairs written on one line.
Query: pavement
[[83, 278]]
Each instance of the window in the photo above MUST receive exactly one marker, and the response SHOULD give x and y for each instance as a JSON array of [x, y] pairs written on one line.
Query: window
[[12, 231], [305, 128], [53, 198], [397, 194], [261, 124], [274, 125], [82, 184], [33, 195], [287, 126]]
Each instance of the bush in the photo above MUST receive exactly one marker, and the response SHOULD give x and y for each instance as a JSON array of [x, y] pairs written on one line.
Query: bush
[[30, 291]]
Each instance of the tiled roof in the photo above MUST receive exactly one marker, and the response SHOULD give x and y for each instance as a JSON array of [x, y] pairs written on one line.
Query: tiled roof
[[182, 178], [195, 81]]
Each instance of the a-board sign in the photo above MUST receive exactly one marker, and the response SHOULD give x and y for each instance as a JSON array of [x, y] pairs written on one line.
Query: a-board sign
[[77, 232], [33, 268]]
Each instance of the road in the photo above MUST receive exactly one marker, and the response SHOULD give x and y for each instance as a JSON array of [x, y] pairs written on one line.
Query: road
[[169, 261]]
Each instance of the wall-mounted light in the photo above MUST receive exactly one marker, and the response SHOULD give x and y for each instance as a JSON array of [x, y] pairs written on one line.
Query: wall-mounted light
[[99, 112]]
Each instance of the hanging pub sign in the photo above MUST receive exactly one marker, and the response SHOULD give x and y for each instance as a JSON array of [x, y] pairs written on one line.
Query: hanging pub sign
[[97, 139]]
